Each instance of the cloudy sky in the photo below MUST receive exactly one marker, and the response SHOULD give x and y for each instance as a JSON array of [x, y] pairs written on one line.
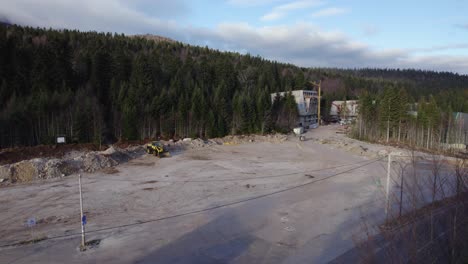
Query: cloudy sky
[[327, 33]]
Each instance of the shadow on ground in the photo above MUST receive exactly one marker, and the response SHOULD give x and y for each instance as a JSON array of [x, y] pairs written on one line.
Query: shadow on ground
[[222, 240]]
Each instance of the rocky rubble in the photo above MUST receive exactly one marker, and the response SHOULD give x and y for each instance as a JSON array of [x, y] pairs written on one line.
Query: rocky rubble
[[188, 143], [34, 169], [79, 161], [350, 146], [355, 146], [274, 138]]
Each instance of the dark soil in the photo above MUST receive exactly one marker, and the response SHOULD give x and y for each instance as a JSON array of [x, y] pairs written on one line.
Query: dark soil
[[13, 155], [131, 143]]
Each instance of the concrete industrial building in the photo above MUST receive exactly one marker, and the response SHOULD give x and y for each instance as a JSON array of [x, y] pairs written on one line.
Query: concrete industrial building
[[307, 106], [338, 109], [461, 121]]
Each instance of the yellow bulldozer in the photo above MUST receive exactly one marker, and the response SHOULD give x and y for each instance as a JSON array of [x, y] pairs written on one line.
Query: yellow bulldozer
[[157, 149]]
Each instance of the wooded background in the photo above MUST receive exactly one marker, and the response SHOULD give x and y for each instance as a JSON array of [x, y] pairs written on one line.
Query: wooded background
[[102, 87]]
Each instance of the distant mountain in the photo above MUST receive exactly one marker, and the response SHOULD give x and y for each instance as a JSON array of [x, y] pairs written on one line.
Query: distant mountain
[[4, 22], [155, 38]]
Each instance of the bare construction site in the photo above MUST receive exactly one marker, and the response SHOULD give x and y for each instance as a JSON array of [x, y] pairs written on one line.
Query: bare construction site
[[249, 199]]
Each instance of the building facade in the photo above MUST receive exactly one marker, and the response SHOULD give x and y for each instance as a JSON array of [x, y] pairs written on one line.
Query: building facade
[[307, 106], [461, 124], [344, 109]]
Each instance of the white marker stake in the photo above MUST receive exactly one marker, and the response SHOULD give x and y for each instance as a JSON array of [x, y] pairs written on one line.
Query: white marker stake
[[32, 233], [31, 222], [81, 218]]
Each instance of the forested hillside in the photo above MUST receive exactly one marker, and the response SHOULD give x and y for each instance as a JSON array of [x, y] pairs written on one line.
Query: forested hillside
[[448, 89], [96, 87]]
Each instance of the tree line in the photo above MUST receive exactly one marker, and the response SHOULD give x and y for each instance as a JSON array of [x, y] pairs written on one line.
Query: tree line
[[393, 115], [103, 87]]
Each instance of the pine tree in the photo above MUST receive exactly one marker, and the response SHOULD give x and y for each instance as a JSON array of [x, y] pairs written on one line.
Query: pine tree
[[402, 109], [433, 119], [3, 92], [182, 115], [211, 125], [299, 82], [196, 111], [291, 110], [82, 124], [130, 115], [237, 119], [65, 81], [365, 114], [389, 110], [164, 108], [263, 109], [129, 121]]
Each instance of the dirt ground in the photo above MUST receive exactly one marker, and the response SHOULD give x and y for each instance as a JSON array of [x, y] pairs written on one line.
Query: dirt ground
[[257, 202], [12, 155]]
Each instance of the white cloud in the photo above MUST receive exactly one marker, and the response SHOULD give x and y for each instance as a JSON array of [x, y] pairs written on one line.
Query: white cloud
[[304, 44], [369, 30], [332, 11], [102, 15], [247, 3], [282, 10], [458, 46], [307, 45], [272, 16]]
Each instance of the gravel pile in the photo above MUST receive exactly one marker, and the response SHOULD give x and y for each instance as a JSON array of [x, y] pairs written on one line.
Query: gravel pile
[[79, 161], [75, 162], [188, 143], [275, 138], [355, 146]]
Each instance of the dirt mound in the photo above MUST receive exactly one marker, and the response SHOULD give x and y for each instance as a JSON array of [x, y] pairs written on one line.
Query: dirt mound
[[125, 144], [135, 151], [199, 143], [113, 156], [5, 173], [93, 161], [59, 168], [242, 139], [70, 159], [13, 155], [29, 170], [341, 141], [188, 143], [111, 150]]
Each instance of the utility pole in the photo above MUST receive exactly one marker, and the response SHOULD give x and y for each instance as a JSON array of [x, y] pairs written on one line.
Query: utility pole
[[401, 188], [83, 241], [387, 192]]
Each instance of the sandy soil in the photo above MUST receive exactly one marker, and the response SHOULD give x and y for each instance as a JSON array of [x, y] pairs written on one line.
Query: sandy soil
[[152, 210]]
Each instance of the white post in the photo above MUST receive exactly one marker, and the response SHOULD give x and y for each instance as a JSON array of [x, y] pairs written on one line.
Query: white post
[[81, 213], [387, 193]]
